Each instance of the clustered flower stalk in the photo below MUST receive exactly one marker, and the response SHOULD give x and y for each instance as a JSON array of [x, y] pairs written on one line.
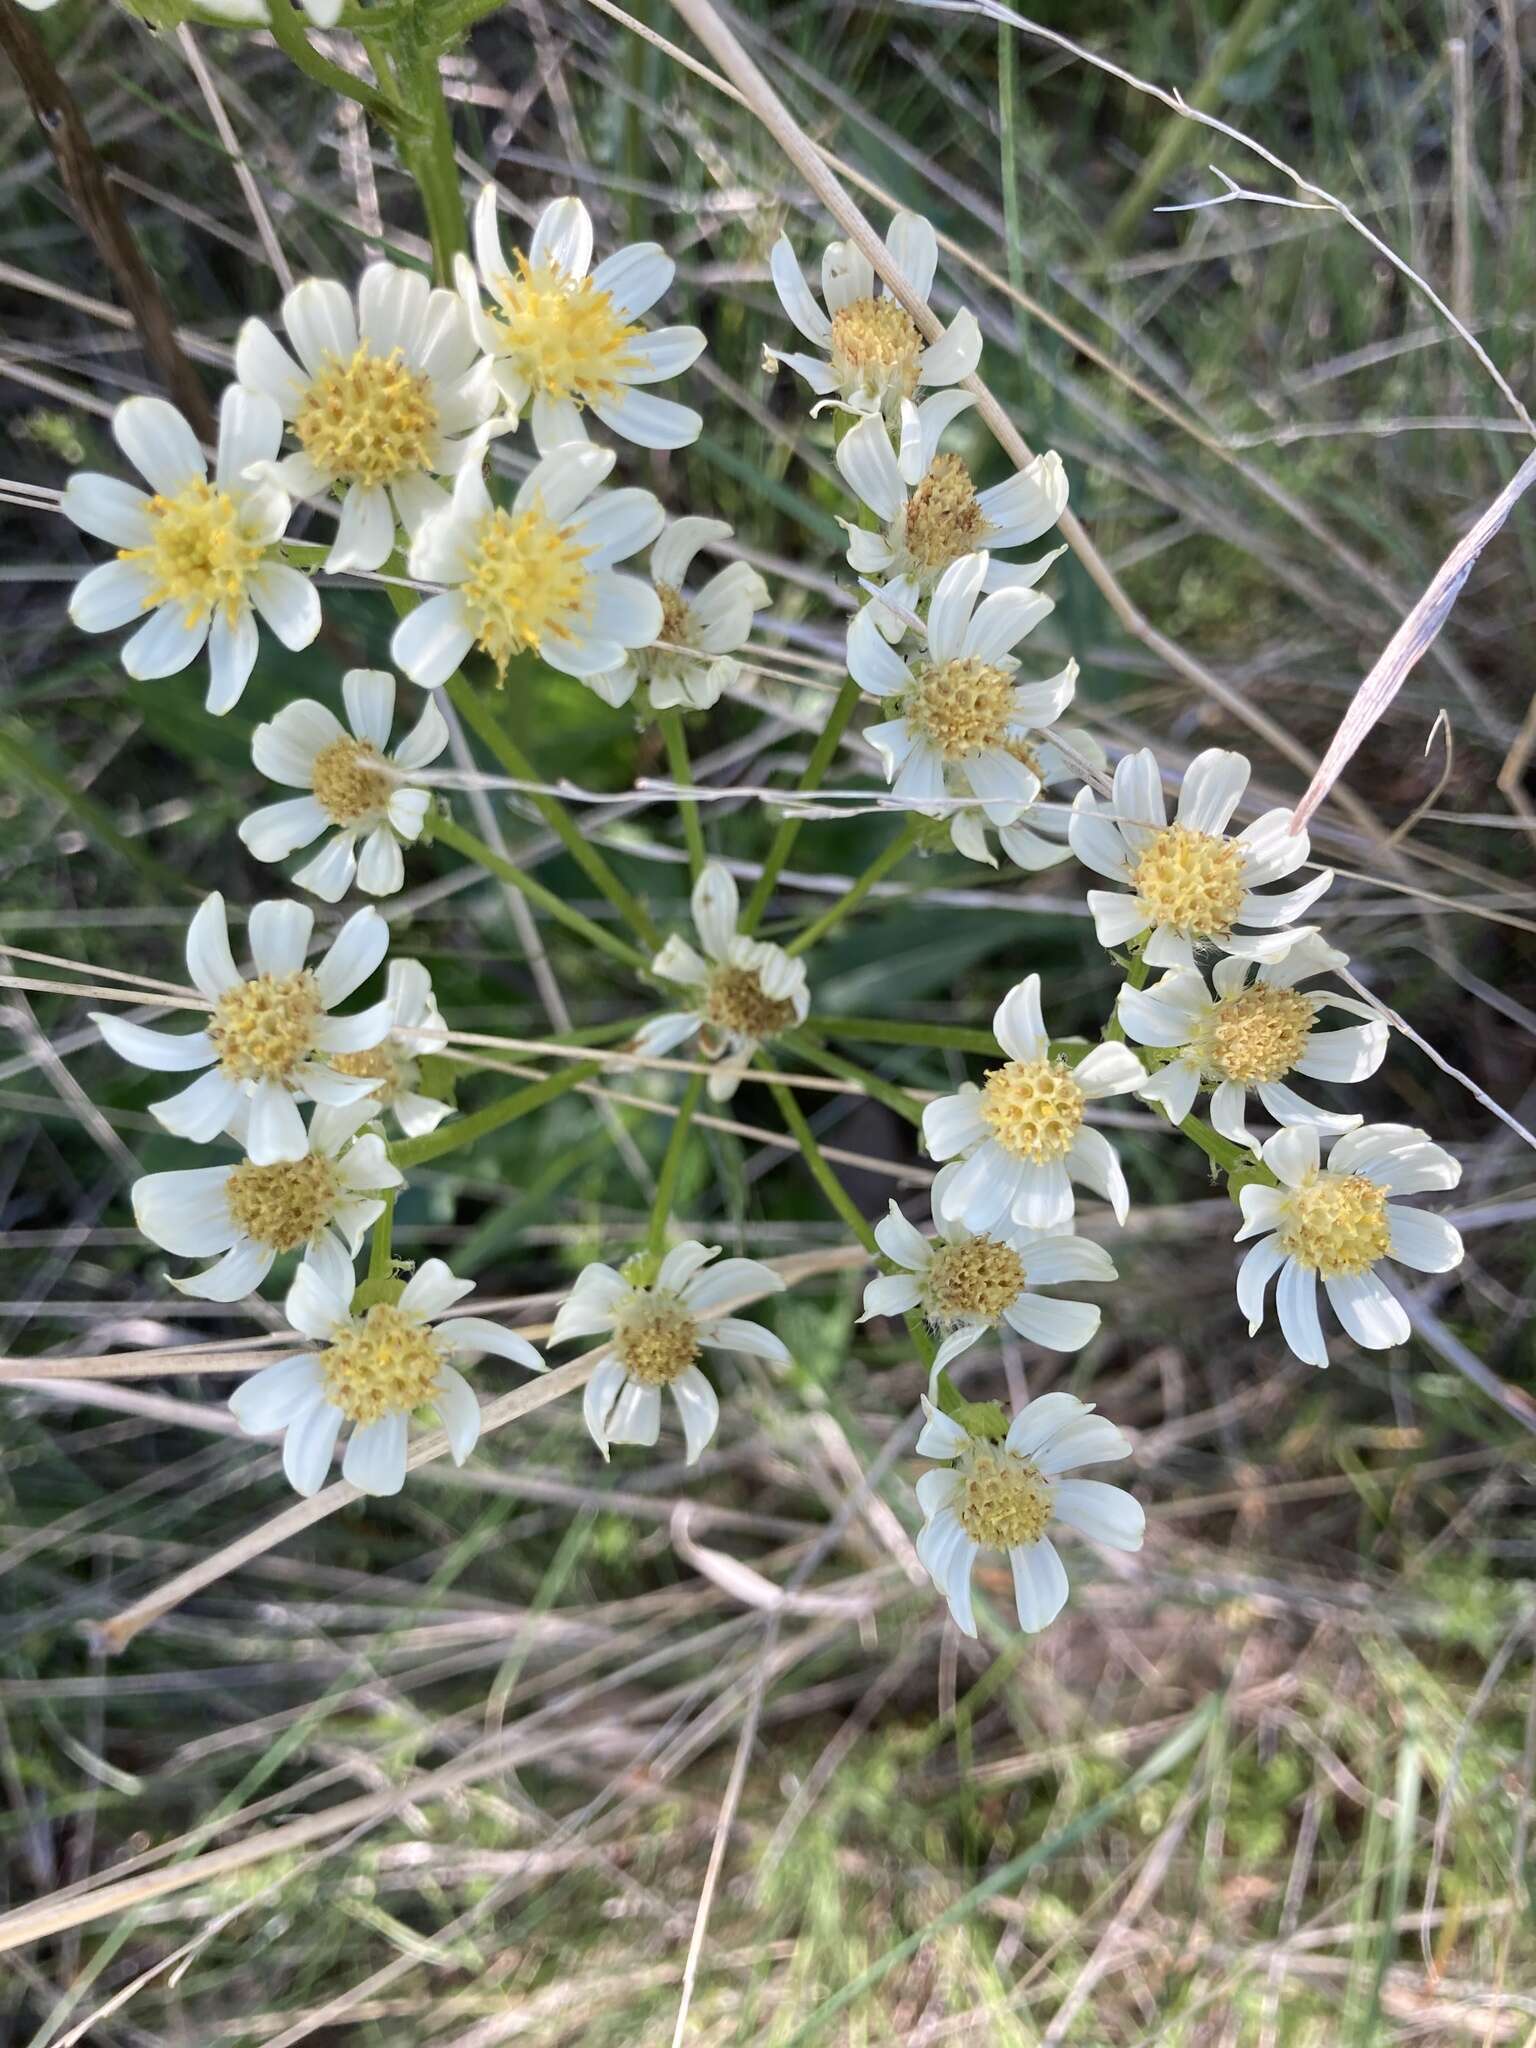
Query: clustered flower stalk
[[381, 404]]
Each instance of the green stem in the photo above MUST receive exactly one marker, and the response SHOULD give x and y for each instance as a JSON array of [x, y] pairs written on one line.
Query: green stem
[[671, 723], [877, 870], [905, 1105], [671, 1165], [290, 35], [468, 1130], [836, 1194], [1007, 113], [821, 759], [899, 1031], [447, 833], [381, 1264]]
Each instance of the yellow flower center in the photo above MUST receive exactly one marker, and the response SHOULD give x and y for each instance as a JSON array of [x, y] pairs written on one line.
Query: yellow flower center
[[200, 555], [674, 615], [959, 705], [351, 781], [526, 581], [1004, 1500], [1026, 756], [1191, 882], [265, 1026], [735, 1001], [563, 334], [370, 420], [655, 1338], [977, 1277], [944, 519], [1034, 1107], [386, 1364], [1257, 1035], [283, 1206], [1336, 1224], [383, 1063], [875, 349]]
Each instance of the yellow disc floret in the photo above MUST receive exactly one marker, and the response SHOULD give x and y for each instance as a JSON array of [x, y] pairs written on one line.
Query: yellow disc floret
[[369, 420], [1336, 1225], [265, 1026], [1257, 1035], [876, 349], [959, 706], [1034, 1107], [735, 1002], [944, 519], [1191, 882], [1004, 1500], [387, 1363], [674, 615], [655, 1338], [527, 581], [283, 1206], [199, 555], [350, 780], [565, 335], [384, 1063], [977, 1276]]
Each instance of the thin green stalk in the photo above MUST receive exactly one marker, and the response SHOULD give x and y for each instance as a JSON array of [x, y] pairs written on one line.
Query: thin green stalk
[[875, 1085], [18, 760], [292, 38], [1007, 116], [671, 723], [428, 154], [450, 834], [671, 1165], [381, 1264], [789, 830], [877, 870], [836, 1194], [468, 1130]]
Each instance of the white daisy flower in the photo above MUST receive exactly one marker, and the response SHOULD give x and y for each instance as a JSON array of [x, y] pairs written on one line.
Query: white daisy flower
[[966, 1282], [250, 1214], [747, 990], [873, 357], [1021, 1135], [356, 790], [271, 1032], [374, 1371], [701, 632], [658, 1330], [563, 337], [1034, 837], [194, 555], [392, 1068], [961, 718], [538, 576], [1336, 1225], [383, 399], [1249, 1036], [1191, 883], [1010, 1495], [942, 517]]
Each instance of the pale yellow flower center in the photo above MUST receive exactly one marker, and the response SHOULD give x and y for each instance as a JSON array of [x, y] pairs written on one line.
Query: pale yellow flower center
[[975, 1277], [1003, 1500], [1034, 1107], [876, 347], [350, 780], [1336, 1225], [944, 519], [265, 1026], [1257, 1035], [387, 1364], [369, 420], [199, 555], [959, 705], [283, 1206], [384, 1063], [564, 335], [526, 581], [735, 1001], [655, 1339], [1191, 882], [674, 615]]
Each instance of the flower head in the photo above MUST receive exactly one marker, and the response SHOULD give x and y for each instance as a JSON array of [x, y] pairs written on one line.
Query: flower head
[[356, 790], [1010, 1495], [873, 357], [657, 1328], [1336, 1224], [252, 1214], [566, 338], [1248, 1036], [373, 1371], [1021, 1135], [390, 1072], [1191, 883], [967, 1282], [271, 1033], [690, 663], [535, 577], [746, 990], [192, 554]]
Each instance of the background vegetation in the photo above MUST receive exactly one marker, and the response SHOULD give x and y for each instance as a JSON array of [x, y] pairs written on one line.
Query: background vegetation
[[1274, 437]]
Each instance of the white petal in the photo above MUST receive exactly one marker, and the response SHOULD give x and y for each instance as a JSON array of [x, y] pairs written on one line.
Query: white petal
[[365, 532], [1369, 1313], [1039, 1584], [1103, 1513], [949, 614], [1094, 1161], [955, 354], [355, 952], [1260, 1265], [458, 1411], [272, 1398], [320, 322], [952, 1123], [185, 1212], [731, 1333], [166, 645], [432, 1290], [598, 1397], [202, 1111], [563, 238], [1212, 789], [159, 443], [1039, 1422], [1109, 1069], [902, 1241], [1423, 1241], [276, 1131], [430, 642], [1296, 1303], [381, 865], [375, 1456], [288, 602], [473, 1336], [163, 1052], [648, 421], [1000, 622], [111, 596], [716, 905], [332, 871], [1058, 1325], [108, 508], [278, 935], [868, 466], [914, 249], [636, 1415], [699, 1409], [1018, 1025], [309, 1445], [232, 648], [890, 1294]]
